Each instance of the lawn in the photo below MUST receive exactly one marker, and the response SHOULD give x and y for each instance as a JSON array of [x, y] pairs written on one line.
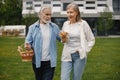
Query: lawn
[[103, 61]]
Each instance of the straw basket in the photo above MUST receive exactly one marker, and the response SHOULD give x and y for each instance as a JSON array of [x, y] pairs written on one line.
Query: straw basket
[[26, 55]]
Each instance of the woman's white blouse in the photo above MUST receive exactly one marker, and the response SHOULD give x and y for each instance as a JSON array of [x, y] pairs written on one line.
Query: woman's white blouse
[[74, 42]]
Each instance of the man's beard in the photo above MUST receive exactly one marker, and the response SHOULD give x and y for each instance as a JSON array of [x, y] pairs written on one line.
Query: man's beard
[[45, 21]]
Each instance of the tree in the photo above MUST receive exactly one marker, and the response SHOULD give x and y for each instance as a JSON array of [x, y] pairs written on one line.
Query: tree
[[10, 11], [29, 18], [105, 22]]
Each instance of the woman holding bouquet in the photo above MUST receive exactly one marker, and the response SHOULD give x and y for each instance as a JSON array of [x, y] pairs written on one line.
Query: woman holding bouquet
[[78, 40]]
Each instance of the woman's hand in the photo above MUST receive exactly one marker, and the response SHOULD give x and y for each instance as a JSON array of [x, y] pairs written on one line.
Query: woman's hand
[[63, 36]]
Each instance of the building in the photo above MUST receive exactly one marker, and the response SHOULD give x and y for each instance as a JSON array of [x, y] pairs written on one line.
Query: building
[[90, 10]]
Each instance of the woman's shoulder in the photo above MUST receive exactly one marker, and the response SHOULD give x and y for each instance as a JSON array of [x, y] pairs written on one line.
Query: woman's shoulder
[[83, 21], [66, 22]]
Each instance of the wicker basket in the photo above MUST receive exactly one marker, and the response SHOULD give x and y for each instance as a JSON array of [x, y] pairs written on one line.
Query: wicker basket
[[26, 55]]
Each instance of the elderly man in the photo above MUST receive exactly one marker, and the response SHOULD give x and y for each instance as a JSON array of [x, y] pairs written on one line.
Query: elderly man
[[42, 36]]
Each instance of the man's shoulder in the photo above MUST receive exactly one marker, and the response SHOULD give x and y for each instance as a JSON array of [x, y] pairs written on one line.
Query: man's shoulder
[[34, 24], [53, 24]]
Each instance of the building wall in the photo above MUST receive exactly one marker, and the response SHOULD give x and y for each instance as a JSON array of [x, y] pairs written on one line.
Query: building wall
[[88, 8]]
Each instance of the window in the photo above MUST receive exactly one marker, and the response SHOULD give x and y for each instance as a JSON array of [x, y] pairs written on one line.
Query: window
[[78, 0], [56, 0], [37, 0], [37, 5], [29, 8], [102, 5], [90, 7], [116, 6], [47, 2], [55, 5], [102, 0], [80, 4], [90, 2], [64, 6], [30, 2]]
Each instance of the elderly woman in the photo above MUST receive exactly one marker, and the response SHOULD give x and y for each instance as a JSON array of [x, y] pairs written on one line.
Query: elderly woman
[[42, 37], [78, 42]]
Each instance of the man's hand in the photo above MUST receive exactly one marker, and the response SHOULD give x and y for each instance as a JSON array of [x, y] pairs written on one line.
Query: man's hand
[[27, 46]]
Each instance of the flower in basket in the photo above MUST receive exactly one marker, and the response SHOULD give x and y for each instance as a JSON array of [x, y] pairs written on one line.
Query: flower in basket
[[26, 54]]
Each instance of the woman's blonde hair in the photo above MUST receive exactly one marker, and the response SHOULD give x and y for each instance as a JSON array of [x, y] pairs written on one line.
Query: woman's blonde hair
[[76, 8]]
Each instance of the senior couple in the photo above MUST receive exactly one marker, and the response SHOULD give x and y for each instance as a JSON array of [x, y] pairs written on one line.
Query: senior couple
[[76, 36]]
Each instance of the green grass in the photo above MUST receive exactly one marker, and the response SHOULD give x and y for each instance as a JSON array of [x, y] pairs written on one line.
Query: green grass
[[103, 61]]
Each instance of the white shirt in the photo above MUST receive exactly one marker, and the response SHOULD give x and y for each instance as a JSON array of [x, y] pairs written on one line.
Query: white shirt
[[46, 41], [73, 43], [80, 38]]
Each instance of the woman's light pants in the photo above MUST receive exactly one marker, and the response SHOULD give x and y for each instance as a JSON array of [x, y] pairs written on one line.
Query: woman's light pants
[[76, 64]]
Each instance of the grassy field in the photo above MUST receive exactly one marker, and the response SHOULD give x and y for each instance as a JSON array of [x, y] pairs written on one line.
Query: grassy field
[[103, 61]]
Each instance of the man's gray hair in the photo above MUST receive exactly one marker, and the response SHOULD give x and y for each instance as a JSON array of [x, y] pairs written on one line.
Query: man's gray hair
[[42, 9]]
